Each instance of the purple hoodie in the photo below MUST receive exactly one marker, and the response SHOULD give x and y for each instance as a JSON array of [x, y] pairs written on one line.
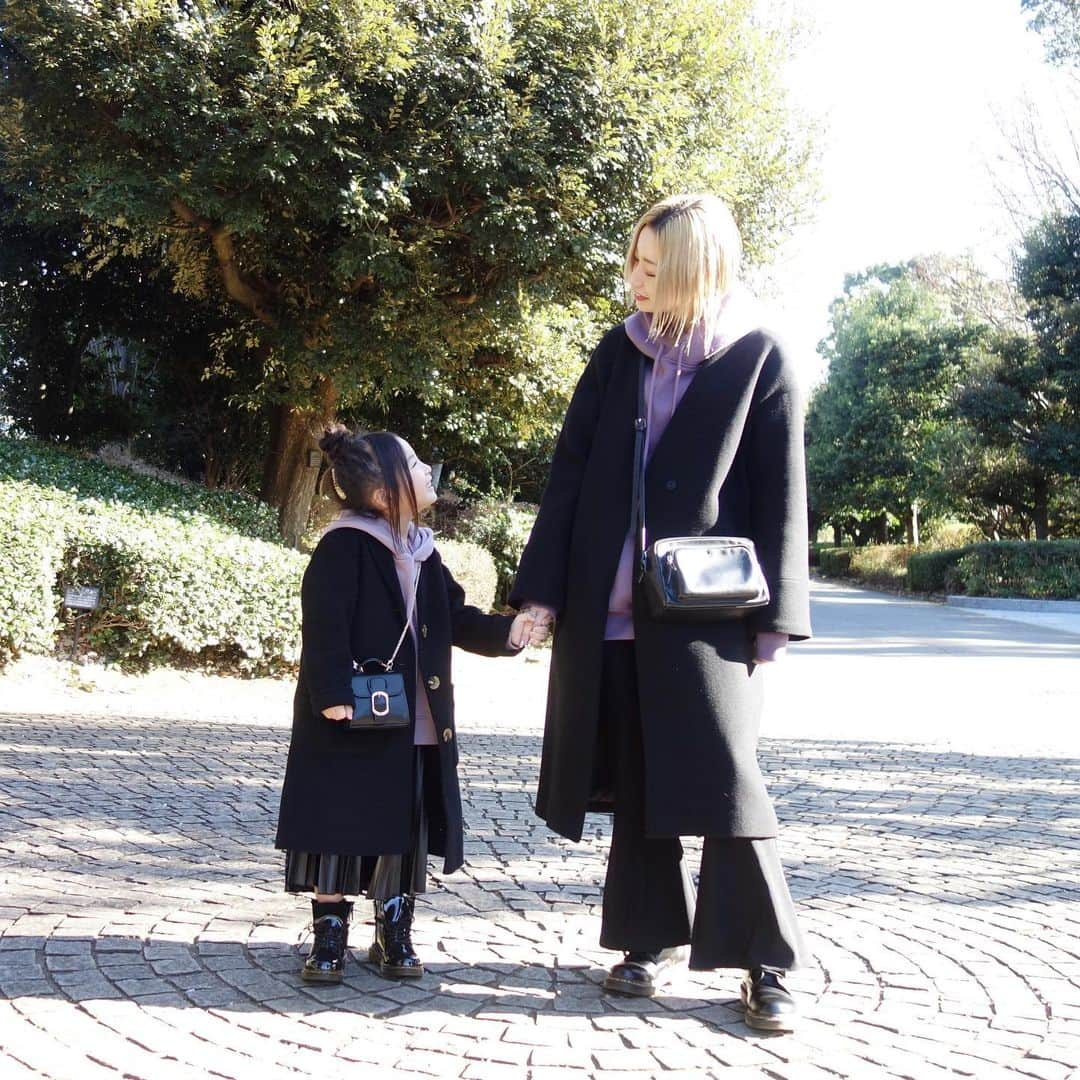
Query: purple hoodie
[[418, 546]]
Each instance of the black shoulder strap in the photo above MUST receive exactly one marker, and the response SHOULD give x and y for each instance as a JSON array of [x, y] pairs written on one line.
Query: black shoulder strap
[[637, 509]]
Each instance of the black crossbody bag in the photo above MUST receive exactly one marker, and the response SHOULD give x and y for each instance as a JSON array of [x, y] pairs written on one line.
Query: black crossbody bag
[[379, 701], [692, 578]]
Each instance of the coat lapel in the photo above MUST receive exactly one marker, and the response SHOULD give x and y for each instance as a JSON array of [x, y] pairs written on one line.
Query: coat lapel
[[384, 561], [716, 401]]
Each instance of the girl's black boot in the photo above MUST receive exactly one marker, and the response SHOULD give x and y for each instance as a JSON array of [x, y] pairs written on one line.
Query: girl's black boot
[[326, 961], [392, 948]]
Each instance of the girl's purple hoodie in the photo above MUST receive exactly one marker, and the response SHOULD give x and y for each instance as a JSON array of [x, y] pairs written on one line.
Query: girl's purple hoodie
[[409, 553]]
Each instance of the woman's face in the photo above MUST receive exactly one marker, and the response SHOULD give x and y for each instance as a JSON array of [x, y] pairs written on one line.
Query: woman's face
[[421, 478], [643, 272]]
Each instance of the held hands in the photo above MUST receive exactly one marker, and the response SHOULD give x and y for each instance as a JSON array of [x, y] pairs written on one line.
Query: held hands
[[531, 626]]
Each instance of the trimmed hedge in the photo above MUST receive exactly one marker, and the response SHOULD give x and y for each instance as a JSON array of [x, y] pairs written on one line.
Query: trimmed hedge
[[502, 528], [934, 571], [1036, 569], [876, 564], [474, 570], [61, 470], [32, 536], [834, 561], [180, 582]]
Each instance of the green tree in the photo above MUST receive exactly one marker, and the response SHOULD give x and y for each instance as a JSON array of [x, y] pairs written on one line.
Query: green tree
[[117, 355], [384, 192], [896, 353], [1022, 408]]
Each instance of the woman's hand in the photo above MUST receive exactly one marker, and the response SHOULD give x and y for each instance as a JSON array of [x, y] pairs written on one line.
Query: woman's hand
[[543, 619], [338, 712], [525, 631]]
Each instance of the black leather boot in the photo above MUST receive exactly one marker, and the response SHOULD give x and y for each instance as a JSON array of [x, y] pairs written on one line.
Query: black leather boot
[[326, 961], [392, 948], [768, 1004], [639, 974]]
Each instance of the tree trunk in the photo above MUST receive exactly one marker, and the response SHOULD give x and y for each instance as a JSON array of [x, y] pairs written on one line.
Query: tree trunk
[[288, 478], [837, 536], [1040, 513], [911, 524]]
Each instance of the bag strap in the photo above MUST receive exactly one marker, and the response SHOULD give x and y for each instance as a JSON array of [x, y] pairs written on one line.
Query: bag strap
[[409, 609], [637, 520]]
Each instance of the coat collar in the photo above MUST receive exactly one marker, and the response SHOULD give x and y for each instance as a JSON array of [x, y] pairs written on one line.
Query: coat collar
[[384, 563], [717, 398]]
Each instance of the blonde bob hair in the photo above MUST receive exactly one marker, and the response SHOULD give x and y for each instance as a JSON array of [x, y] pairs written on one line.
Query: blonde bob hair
[[699, 252]]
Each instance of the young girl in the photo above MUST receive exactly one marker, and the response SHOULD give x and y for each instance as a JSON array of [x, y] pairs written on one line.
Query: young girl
[[361, 810]]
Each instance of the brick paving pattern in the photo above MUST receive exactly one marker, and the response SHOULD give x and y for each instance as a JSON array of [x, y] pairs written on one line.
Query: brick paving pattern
[[143, 932]]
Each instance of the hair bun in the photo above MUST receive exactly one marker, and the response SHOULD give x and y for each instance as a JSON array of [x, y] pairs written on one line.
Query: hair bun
[[335, 438]]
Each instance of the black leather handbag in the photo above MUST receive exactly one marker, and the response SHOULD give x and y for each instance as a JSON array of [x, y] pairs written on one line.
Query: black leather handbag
[[379, 701], [692, 578]]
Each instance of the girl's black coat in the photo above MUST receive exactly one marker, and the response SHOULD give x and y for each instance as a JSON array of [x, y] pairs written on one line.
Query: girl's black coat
[[730, 463], [350, 793]]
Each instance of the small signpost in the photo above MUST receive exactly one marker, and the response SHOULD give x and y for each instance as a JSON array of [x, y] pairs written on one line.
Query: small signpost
[[81, 598]]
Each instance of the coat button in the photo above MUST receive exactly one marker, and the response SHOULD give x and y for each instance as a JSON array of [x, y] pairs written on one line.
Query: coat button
[[447, 735], [433, 683], [670, 485], [423, 630]]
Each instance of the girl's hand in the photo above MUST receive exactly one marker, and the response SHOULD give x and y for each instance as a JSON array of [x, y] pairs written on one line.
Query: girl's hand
[[338, 712], [543, 619], [526, 630], [520, 631]]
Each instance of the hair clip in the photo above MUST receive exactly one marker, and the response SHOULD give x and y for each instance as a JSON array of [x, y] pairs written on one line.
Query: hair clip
[[337, 487]]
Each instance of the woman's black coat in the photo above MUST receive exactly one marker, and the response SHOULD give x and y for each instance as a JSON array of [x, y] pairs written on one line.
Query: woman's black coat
[[730, 463], [350, 793]]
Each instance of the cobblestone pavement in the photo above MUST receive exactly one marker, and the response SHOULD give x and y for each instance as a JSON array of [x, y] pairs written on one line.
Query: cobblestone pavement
[[143, 932]]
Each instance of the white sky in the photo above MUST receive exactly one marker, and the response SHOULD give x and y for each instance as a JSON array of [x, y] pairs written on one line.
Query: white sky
[[908, 91]]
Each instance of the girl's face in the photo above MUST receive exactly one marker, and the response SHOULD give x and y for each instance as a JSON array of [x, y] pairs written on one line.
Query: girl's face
[[643, 274], [421, 478]]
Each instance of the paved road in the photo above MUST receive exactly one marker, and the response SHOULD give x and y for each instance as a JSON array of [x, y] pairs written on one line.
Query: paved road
[[924, 762]]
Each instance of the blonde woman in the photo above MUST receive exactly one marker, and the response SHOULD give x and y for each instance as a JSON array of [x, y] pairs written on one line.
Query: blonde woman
[[658, 721]]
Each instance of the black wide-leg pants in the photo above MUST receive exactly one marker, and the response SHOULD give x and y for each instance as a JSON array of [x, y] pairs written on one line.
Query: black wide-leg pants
[[742, 916]]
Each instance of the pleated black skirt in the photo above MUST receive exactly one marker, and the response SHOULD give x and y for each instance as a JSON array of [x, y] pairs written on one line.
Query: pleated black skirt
[[379, 876]]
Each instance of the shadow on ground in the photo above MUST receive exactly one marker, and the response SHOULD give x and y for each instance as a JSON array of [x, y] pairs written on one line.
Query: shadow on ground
[[128, 800]]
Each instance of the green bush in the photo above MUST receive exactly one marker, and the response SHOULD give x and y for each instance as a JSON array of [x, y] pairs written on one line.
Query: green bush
[[61, 470], [834, 561], [32, 531], [875, 564], [501, 527], [181, 582], [1046, 569], [1037, 569], [951, 535], [474, 570], [934, 571], [184, 593], [881, 564]]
